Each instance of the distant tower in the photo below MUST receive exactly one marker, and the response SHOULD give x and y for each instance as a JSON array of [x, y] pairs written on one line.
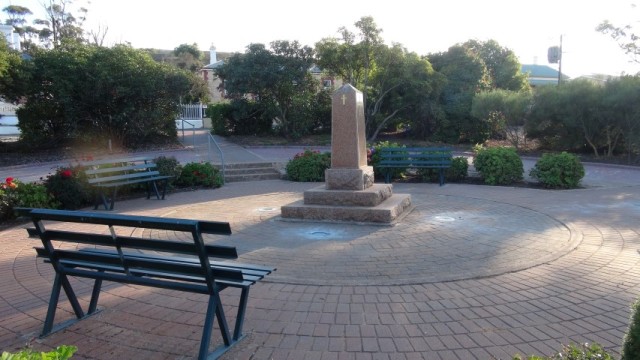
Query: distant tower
[[213, 55]]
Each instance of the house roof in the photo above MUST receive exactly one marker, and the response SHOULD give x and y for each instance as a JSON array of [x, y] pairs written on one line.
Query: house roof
[[214, 65], [539, 71], [541, 74]]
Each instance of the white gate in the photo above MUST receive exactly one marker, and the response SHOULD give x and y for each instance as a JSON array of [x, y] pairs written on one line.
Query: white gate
[[190, 116]]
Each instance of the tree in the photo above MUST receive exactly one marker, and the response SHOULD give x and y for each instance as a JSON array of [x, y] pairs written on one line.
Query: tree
[[621, 107], [502, 65], [505, 113], [17, 17], [466, 75], [626, 37], [94, 94], [187, 57], [278, 79], [404, 87], [574, 117], [11, 73], [345, 58], [396, 85], [61, 25]]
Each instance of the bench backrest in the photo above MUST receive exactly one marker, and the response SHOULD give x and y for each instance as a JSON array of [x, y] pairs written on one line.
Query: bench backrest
[[107, 170], [435, 156], [112, 253]]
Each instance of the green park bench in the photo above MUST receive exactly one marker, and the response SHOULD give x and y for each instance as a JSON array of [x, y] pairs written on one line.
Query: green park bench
[[414, 158], [108, 175], [110, 253]]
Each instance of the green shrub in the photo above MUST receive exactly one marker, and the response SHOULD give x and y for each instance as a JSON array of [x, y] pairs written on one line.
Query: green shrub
[[168, 166], [574, 352], [499, 165], [631, 342], [458, 171], [373, 159], [35, 195], [308, 166], [69, 186], [559, 171], [14, 193], [218, 114], [62, 352], [199, 174]]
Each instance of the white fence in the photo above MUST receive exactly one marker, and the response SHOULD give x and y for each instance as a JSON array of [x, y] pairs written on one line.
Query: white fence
[[190, 117], [191, 111]]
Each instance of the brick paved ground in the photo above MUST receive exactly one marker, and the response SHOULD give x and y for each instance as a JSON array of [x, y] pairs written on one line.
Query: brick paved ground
[[474, 272]]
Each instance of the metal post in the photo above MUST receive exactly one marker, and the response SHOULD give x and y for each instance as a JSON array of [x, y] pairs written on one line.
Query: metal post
[[560, 62]]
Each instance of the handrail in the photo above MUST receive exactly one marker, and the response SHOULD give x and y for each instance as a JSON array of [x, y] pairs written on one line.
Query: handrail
[[210, 139], [193, 129]]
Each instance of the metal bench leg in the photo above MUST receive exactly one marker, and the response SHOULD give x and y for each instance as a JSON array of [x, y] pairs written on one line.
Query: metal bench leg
[[242, 307], [222, 322], [208, 326], [155, 190], [93, 304], [148, 185], [164, 187], [60, 281], [214, 308], [101, 199], [113, 198]]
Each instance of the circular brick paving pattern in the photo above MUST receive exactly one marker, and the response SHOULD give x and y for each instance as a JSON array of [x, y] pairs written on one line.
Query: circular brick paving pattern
[[444, 238], [533, 270]]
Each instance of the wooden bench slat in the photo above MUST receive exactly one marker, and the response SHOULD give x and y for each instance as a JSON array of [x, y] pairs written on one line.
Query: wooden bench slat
[[130, 176], [107, 161], [114, 173], [219, 251], [90, 171], [165, 267], [212, 227], [236, 278], [130, 182], [247, 268]]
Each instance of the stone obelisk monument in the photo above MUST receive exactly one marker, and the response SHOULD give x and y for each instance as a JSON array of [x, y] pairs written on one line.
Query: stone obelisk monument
[[349, 194], [349, 170]]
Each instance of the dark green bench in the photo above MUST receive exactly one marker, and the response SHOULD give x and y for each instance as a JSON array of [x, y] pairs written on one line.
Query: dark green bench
[[112, 174], [110, 253], [416, 158]]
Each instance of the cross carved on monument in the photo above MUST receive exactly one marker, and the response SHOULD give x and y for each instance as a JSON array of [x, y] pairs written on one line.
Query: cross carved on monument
[[344, 99]]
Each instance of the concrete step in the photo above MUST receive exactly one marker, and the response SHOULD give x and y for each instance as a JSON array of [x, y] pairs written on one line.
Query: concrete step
[[249, 165], [256, 170], [252, 177], [251, 172]]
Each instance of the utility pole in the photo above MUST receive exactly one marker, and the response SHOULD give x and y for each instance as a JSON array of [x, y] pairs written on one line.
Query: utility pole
[[560, 62]]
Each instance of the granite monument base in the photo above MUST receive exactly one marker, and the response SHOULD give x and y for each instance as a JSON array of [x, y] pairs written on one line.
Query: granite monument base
[[374, 205]]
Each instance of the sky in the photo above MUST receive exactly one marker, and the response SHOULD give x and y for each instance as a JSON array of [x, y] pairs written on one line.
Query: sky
[[528, 28]]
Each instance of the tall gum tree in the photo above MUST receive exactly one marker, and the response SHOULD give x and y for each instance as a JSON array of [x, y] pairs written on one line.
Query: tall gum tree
[[394, 82]]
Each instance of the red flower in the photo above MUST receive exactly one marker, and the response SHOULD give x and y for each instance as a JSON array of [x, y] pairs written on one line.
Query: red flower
[[9, 180], [66, 173]]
